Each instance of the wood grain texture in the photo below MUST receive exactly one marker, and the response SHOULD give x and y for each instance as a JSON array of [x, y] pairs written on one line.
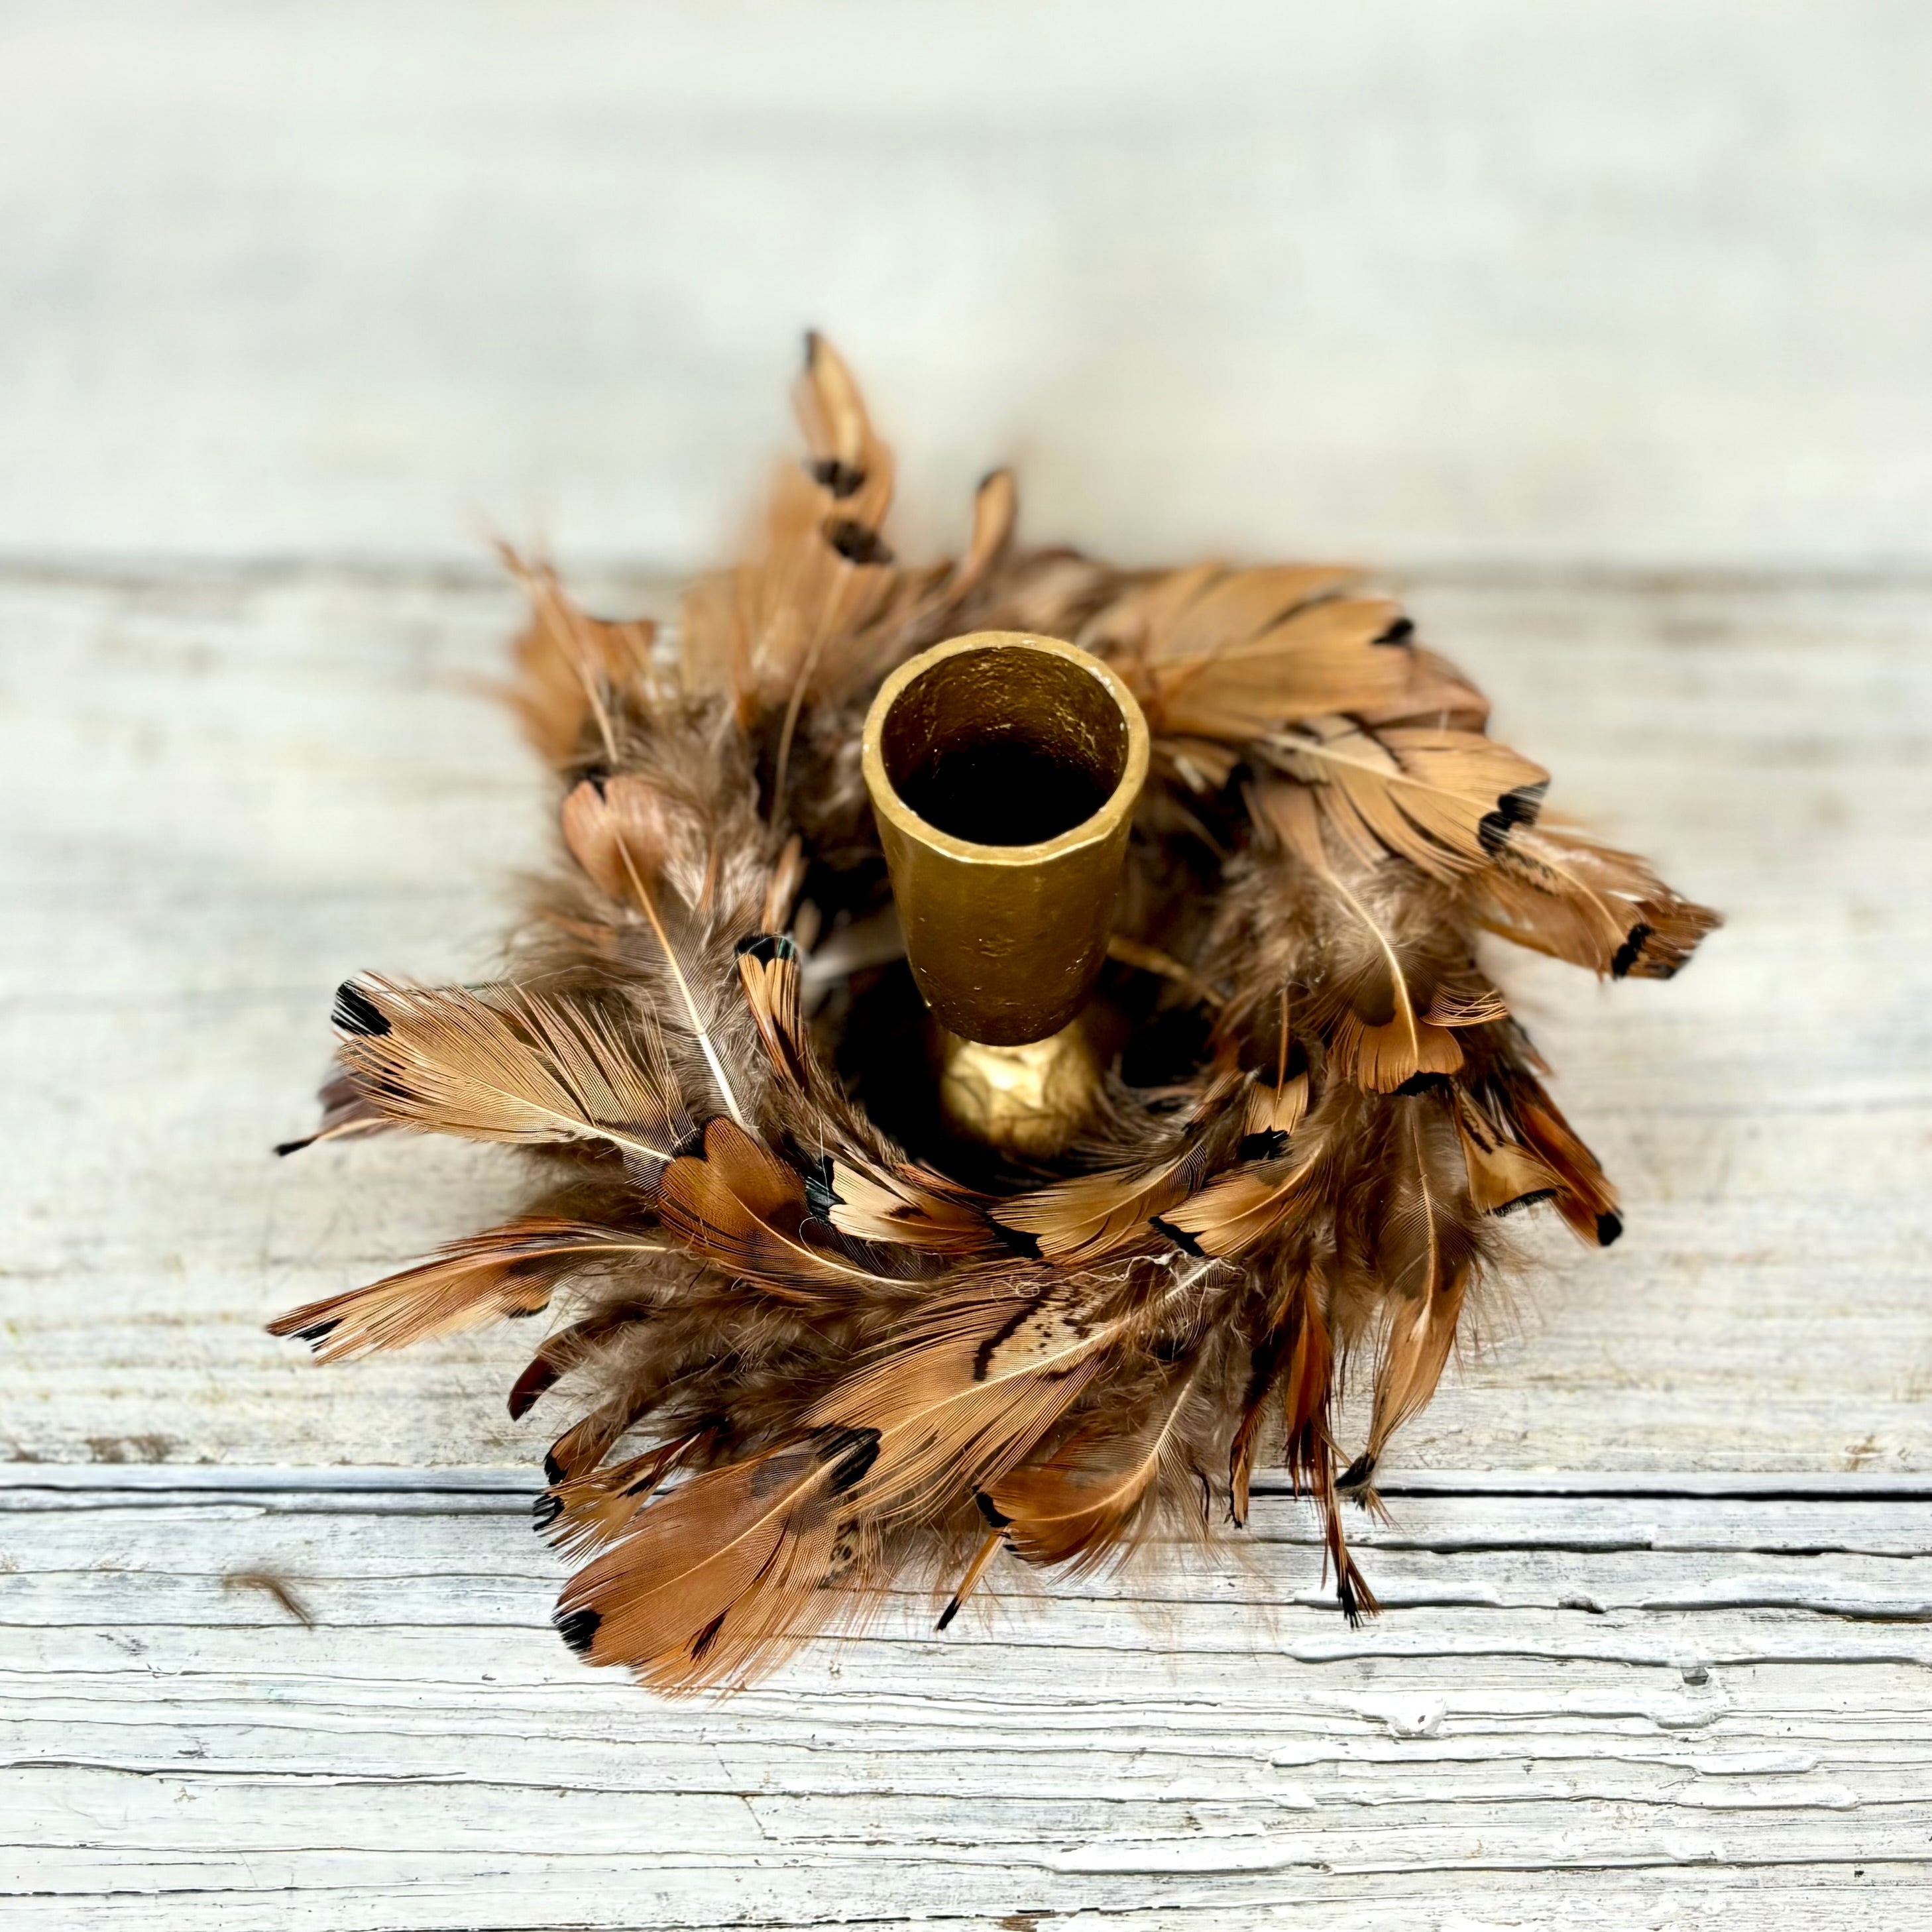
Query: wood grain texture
[[1665, 1711], [1602, 281], [223, 792]]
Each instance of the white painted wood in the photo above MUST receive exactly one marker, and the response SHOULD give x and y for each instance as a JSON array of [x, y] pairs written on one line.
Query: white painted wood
[[221, 792], [1659, 1711], [1598, 281]]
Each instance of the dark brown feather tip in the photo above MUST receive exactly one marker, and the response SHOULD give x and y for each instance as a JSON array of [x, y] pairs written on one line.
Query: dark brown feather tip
[[841, 479], [355, 1012], [578, 1628], [856, 543], [852, 1452], [1630, 952], [1519, 807], [530, 1386], [1180, 1236]]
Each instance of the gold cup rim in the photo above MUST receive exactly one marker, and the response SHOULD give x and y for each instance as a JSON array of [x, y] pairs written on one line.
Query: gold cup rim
[[1091, 831]]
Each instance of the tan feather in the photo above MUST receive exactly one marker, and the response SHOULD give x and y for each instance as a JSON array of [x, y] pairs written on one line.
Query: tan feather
[[1557, 891], [1181, 614], [1584, 1197], [768, 969], [627, 833], [826, 574], [623, 831], [995, 508], [1278, 1092], [1238, 1210], [1083, 1505], [571, 667], [989, 1545], [347, 1113], [1447, 801], [1329, 657], [505, 1064], [1424, 1257], [1082, 1221], [1294, 1357], [1503, 1173], [1200, 764], [1298, 1359], [1276, 1107], [1436, 695], [832, 414], [909, 1206], [722, 1571], [1381, 1041], [509, 1270], [743, 1208], [588, 1512]]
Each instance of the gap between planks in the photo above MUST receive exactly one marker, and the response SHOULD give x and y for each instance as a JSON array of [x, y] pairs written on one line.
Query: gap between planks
[[1688, 1485]]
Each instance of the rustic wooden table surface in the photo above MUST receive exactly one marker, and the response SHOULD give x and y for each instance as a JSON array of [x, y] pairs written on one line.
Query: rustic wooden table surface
[[1658, 1644]]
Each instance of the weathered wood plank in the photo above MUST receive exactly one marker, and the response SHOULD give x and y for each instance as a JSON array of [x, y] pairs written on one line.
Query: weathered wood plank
[[1493, 280], [1718, 1737], [222, 792]]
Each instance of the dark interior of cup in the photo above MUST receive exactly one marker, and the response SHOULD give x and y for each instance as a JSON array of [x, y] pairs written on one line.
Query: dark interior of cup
[[1005, 745]]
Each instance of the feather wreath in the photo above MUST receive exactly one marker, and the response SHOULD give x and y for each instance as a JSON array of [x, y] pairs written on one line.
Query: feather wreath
[[819, 1353]]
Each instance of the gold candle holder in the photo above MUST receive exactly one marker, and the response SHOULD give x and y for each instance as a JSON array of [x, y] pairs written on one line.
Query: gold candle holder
[[1003, 769]]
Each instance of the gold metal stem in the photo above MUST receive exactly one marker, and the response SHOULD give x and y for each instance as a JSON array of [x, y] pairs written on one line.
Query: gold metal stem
[[1029, 1101]]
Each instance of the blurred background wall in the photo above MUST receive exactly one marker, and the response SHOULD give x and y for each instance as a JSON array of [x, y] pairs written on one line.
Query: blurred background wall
[[1504, 281]]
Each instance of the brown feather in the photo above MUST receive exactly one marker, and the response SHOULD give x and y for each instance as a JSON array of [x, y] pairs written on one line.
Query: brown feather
[[1559, 892], [1446, 801], [1384, 1037], [506, 1064], [1082, 1221], [1502, 1172], [1584, 1197], [1084, 1505], [1238, 1210], [585, 1513], [571, 669], [1324, 658], [721, 1572], [347, 1113], [625, 833], [741, 1207], [1423, 1251], [509, 1270], [909, 1206]]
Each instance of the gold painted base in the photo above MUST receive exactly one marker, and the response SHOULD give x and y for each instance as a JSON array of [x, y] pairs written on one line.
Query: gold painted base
[[1029, 1101]]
